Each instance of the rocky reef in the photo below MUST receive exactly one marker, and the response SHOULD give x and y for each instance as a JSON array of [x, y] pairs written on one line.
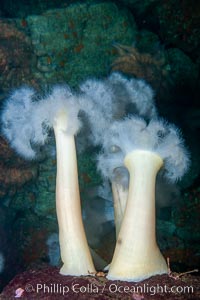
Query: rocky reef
[[42, 44]]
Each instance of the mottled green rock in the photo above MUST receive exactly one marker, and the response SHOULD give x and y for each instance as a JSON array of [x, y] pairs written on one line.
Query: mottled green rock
[[46, 183], [140, 7], [88, 175], [182, 69], [148, 42], [76, 42], [40, 195]]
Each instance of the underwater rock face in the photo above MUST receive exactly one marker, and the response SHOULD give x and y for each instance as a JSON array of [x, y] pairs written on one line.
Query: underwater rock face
[[179, 24], [76, 42], [166, 71], [176, 21], [17, 9], [14, 171], [141, 7], [16, 56]]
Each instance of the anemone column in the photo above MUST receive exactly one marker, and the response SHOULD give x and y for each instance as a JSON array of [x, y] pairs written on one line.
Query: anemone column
[[120, 194], [137, 255], [75, 253]]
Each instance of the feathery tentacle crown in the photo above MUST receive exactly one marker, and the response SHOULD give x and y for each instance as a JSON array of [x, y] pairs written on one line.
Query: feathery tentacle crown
[[133, 133], [104, 101], [26, 120]]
